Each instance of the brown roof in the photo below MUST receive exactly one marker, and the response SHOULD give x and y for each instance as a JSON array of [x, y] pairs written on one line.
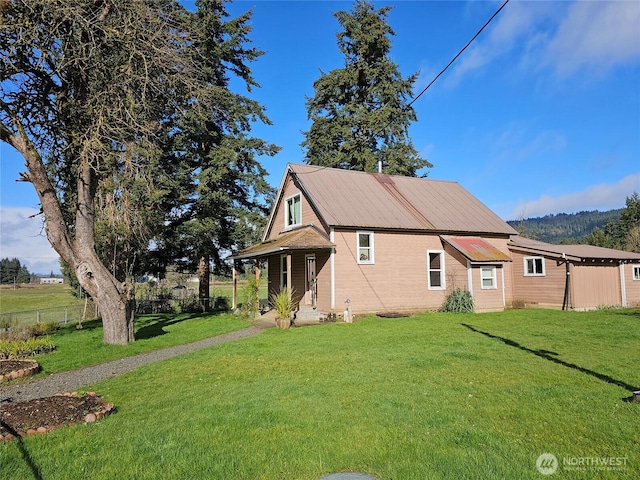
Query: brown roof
[[303, 238], [476, 249], [348, 198], [579, 252]]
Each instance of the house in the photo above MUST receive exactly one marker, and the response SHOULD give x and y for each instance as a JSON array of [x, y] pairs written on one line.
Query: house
[[382, 243], [578, 277], [51, 280]]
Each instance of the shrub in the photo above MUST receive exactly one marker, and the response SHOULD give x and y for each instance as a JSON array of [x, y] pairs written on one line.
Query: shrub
[[251, 304], [458, 301], [25, 348], [45, 328]]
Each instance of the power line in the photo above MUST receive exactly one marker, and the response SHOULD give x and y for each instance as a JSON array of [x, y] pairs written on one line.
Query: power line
[[459, 53], [438, 75]]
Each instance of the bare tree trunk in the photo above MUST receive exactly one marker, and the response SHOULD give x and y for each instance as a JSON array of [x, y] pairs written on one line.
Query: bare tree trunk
[[204, 272], [79, 251]]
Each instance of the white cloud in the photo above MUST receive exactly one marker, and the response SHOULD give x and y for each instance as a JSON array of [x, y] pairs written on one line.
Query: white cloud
[[22, 236], [604, 196], [566, 37], [596, 36]]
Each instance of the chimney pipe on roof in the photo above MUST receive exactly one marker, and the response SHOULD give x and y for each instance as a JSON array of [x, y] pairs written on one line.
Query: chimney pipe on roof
[[379, 166]]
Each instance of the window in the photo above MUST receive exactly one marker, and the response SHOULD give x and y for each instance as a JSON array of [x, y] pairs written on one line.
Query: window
[[293, 213], [435, 270], [534, 266], [284, 278], [488, 278], [636, 272], [365, 247]]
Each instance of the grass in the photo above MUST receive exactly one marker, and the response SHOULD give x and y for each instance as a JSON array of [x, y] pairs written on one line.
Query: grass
[[435, 396], [32, 297], [79, 348]]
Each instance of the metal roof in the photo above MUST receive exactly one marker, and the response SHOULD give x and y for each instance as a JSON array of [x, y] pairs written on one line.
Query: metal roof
[[307, 237], [580, 252], [476, 249], [348, 198]]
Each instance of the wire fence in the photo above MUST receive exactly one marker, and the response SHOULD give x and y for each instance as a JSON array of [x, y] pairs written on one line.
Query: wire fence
[[86, 311], [80, 312]]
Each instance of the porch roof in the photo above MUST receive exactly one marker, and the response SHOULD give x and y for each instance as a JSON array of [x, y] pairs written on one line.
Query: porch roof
[[304, 238], [476, 250]]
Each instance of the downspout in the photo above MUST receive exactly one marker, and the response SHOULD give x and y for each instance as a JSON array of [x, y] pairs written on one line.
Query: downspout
[[504, 294], [567, 285], [470, 278], [332, 264]]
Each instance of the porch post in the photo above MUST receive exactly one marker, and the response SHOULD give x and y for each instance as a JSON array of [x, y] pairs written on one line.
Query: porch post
[[234, 295]]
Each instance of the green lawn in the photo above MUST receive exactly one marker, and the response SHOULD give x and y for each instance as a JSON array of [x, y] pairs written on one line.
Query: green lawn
[[435, 396], [32, 297], [79, 348]]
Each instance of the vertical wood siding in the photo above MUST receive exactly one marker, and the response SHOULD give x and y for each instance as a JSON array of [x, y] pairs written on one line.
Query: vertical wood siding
[[547, 291], [633, 286], [596, 285]]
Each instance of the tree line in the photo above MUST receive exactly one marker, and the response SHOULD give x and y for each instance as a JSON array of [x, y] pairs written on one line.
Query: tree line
[[618, 228], [13, 272]]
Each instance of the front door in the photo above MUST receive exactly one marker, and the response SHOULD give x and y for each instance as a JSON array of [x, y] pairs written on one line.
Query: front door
[[310, 281]]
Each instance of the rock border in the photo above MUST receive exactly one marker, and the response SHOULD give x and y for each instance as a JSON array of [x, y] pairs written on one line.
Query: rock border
[[89, 418], [23, 372]]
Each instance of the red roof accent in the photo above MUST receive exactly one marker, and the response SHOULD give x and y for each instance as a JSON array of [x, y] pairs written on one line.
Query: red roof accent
[[477, 249]]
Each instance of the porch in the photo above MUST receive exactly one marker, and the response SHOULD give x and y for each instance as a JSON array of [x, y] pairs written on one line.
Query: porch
[[298, 261]]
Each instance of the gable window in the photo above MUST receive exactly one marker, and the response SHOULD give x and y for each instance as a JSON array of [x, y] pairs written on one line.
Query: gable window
[[636, 272], [365, 247], [435, 269], [534, 267], [488, 278], [293, 213]]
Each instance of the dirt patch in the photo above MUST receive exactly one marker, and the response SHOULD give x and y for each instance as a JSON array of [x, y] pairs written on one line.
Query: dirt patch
[[10, 369], [42, 415]]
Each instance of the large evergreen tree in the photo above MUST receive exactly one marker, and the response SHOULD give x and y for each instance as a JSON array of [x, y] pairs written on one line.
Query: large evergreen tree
[[360, 113], [218, 186]]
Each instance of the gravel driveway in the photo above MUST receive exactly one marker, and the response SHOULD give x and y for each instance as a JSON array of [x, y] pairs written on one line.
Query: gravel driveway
[[74, 379]]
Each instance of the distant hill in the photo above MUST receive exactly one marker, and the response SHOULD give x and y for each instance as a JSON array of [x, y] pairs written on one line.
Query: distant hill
[[565, 227]]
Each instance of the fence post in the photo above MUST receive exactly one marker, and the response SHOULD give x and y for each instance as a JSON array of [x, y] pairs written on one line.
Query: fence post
[[66, 315], [37, 316]]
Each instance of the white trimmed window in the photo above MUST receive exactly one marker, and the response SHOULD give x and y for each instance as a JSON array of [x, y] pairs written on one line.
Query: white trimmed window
[[488, 278], [636, 272], [284, 273], [435, 269], [365, 247], [293, 211], [534, 267]]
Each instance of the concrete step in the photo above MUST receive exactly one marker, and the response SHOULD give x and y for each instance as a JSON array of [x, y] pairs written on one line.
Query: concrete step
[[307, 313]]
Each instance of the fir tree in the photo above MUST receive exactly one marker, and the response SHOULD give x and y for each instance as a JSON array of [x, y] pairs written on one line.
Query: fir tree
[[360, 113]]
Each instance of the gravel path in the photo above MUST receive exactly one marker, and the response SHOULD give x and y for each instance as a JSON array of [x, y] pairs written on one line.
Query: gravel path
[[74, 379]]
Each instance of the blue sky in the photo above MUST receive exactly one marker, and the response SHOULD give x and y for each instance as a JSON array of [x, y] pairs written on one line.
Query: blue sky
[[540, 115]]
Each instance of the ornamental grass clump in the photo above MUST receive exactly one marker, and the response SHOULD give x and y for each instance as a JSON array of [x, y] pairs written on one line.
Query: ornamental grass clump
[[458, 301], [14, 349], [283, 303]]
